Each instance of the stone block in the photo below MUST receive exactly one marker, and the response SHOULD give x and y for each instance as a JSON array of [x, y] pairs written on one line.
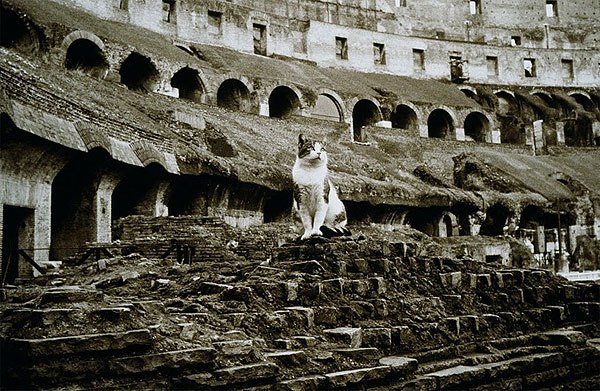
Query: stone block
[[234, 348], [307, 383], [557, 313], [310, 291], [288, 358], [380, 337], [401, 366], [458, 377], [198, 357], [305, 341], [378, 286], [333, 288], [210, 288], [381, 308], [71, 294], [484, 281], [401, 336], [469, 323], [301, 317], [309, 267], [286, 344], [358, 354], [380, 266], [358, 287], [354, 377], [451, 280], [561, 337], [348, 336], [358, 265], [452, 324], [326, 316], [235, 375], [89, 343]]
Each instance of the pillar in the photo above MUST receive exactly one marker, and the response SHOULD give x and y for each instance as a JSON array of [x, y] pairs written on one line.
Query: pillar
[[102, 207]]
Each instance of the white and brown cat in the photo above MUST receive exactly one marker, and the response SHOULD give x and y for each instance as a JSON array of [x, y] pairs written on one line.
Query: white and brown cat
[[315, 197]]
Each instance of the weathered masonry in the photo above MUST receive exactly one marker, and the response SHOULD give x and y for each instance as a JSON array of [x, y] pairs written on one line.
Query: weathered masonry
[[486, 121]]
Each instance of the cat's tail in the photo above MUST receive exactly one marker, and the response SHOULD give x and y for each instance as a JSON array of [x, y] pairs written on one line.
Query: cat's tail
[[330, 232]]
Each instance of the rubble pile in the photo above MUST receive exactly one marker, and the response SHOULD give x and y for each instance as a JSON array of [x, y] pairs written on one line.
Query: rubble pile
[[361, 312]]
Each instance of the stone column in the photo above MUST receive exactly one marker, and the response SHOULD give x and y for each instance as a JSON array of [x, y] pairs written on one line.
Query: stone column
[[560, 133], [102, 207]]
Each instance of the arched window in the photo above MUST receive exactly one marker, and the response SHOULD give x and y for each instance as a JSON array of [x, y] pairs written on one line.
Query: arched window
[[327, 108], [86, 56], [189, 84], [404, 117], [477, 127], [234, 95]]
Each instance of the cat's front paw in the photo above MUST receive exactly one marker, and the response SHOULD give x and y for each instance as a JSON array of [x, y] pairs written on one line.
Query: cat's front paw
[[306, 235], [316, 232]]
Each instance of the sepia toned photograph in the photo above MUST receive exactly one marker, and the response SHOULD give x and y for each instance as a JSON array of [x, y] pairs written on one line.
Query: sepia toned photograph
[[300, 195]]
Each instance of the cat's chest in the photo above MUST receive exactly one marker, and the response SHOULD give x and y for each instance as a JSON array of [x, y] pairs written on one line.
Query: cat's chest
[[309, 177]]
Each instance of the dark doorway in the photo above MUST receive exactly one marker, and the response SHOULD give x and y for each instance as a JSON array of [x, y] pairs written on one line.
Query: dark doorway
[[17, 233], [138, 73]]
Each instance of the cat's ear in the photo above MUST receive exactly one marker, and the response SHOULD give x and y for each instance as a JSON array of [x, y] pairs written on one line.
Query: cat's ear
[[301, 139], [324, 142]]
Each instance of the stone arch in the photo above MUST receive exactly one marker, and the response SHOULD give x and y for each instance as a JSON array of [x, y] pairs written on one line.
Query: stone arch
[[343, 110], [584, 100], [18, 32], [135, 194], [81, 34], [447, 225], [139, 73], [496, 218], [85, 55], [365, 112], [477, 127], [74, 206], [507, 103], [233, 94], [545, 96], [440, 123], [149, 154], [93, 137], [283, 102], [328, 107], [187, 80], [405, 116], [469, 91], [531, 217]]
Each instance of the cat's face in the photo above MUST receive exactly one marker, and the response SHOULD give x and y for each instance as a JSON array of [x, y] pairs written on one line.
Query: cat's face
[[311, 151]]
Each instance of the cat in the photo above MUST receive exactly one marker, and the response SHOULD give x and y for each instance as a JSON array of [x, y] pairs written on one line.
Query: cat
[[315, 198]]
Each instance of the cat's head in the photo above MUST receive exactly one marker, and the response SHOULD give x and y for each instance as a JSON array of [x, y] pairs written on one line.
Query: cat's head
[[311, 151]]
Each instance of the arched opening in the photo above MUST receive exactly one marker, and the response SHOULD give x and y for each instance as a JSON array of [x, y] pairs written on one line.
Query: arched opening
[[532, 217], [404, 117], [234, 95], [189, 84], [364, 113], [138, 73], [18, 32], [447, 225], [134, 194], [496, 219], [424, 219], [327, 109], [584, 101], [283, 102], [439, 124], [73, 221], [86, 56], [468, 93], [477, 127], [509, 119], [507, 104]]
